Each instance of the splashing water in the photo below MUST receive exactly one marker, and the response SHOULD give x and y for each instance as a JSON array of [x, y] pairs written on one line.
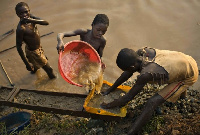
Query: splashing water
[[80, 70]]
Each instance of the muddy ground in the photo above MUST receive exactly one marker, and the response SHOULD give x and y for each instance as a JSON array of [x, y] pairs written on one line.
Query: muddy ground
[[181, 118]]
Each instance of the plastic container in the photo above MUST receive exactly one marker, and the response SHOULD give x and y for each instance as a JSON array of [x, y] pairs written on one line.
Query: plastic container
[[101, 111], [76, 54], [16, 122]]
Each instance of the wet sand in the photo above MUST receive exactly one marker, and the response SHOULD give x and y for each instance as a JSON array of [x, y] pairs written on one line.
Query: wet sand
[[166, 24]]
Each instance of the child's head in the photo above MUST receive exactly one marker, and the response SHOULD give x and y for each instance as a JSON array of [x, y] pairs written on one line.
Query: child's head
[[22, 10], [100, 25], [126, 58], [101, 18]]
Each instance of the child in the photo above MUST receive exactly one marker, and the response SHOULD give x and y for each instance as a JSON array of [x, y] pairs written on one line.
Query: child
[[27, 31], [176, 70], [94, 36]]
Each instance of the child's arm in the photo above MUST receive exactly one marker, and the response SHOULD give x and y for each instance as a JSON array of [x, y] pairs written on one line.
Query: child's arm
[[34, 17], [141, 81], [100, 51], [19, 40], [124, 77], [35, 20], [60, 36], [101, 48]]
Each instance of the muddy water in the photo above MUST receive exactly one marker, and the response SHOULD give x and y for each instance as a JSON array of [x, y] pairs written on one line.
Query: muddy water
[[166, 24]]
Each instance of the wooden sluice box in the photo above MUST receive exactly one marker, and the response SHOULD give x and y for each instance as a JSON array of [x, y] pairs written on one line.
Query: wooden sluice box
[[64, 103]]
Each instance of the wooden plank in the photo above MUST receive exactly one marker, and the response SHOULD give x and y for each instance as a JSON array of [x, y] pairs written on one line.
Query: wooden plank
[[14, 94], [6, 34], [80, 112], [12, 84], [10, 94], [61, 111]]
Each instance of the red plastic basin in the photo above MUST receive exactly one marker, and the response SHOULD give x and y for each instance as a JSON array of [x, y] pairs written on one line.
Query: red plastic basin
[[74, 57]]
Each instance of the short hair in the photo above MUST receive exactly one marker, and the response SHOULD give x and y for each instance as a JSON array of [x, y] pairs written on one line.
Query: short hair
[[20, 4], [126, 58], [101, 18]]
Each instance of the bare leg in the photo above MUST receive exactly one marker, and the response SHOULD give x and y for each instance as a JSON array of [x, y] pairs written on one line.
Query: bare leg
[[49, 71], [147, 112], [34, 71]]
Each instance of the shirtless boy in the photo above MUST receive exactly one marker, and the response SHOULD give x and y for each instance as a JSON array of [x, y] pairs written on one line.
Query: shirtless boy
[[92, 36], [176, 70], [27, 32]]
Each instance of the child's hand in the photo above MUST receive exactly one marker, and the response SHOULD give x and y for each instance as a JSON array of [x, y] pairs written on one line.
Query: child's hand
[[60, 47], [25, 20], [103, 66], [112, 104], [106, 92], [104, 105]]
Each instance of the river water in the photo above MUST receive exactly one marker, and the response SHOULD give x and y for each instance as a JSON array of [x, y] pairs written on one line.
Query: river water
[[162, 24]]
